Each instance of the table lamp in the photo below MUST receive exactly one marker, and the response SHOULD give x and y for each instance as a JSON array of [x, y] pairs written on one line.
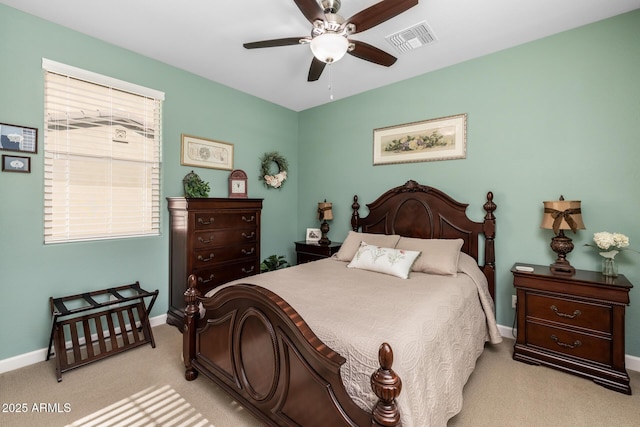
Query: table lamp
[[560, 215], [324, 213]]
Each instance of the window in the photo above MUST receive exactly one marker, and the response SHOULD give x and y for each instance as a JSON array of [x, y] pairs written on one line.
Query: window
[[102, 156]]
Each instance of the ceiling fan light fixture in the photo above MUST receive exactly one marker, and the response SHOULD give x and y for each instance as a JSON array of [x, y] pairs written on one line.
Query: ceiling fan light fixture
[[329, 47]]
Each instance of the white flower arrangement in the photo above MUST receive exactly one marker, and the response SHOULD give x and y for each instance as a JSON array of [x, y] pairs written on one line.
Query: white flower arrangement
[[276, 180], [610, 243]]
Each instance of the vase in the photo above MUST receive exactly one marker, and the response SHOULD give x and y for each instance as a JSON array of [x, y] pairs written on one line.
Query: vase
[[609, 267]]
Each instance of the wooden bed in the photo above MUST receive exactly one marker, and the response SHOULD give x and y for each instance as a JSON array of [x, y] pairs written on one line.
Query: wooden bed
[[258, 349]]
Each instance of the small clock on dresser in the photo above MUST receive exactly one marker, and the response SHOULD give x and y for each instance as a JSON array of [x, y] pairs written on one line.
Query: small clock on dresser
[[238, 184]]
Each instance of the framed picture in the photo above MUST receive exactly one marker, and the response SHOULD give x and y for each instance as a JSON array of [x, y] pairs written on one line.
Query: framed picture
[[444, 138], [16, 163], [18, 138], [206, 153], [313, 235]]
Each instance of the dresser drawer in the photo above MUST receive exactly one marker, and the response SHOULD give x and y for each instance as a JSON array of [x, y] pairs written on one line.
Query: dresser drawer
[[580, 314], [571, 343], [209, 278], [222, 238], [203, 258], [210, 220]]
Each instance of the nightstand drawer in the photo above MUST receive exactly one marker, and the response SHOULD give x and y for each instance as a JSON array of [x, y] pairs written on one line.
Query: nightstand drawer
[[580, 314], [571, 343], [308, 251]]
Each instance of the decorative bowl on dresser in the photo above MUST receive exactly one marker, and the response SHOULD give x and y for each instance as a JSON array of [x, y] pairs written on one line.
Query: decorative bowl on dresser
[[573, 323], [313, 251], [217, 239]]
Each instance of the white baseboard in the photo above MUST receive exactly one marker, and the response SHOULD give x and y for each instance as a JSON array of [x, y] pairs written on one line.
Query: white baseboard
[[631, 362], [6, 365], [36, 356]]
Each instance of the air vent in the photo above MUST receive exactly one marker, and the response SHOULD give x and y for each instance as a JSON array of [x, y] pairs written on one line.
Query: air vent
[[412, 38]]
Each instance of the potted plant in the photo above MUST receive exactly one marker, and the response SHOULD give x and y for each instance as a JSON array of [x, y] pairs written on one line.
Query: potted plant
[[195, 187], [273, 262]]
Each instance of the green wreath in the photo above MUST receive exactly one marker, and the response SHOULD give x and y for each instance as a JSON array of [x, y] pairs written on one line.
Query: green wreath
[[273, 180]]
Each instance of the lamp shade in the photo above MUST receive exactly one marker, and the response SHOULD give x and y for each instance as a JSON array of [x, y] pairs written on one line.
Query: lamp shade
[[329, 47], [325, 211], [562, 215]]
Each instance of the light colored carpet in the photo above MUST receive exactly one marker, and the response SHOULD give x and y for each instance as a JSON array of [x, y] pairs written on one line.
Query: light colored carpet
[[142, 386], [504, 393], [146, 387]]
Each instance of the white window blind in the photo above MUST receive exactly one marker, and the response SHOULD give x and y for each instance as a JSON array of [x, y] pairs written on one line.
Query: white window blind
[[102, 156]]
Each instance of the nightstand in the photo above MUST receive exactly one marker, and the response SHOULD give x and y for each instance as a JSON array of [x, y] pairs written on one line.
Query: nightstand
[[308, 251], [573, 323]]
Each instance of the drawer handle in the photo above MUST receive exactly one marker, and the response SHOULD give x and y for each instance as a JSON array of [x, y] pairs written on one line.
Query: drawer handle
[[245, 219], [568, 316], [211, 255], [201, 280], [576, 343], [205, 241], [249, 252], [205, 222], [244, 270], [250, 236]]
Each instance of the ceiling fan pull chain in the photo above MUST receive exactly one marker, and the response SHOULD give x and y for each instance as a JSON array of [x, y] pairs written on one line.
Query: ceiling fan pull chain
[[330, 83]]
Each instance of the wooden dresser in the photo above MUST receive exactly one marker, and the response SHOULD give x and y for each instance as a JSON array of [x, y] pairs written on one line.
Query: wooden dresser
[[573, 323], [216, 239]]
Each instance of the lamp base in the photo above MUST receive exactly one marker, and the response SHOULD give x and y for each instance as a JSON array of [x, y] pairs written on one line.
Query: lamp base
[[562, 245], [324, 228], [562, 268]]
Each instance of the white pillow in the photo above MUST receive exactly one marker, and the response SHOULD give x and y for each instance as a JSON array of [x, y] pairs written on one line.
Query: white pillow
[[351, 244], [439, 256], [396, 262]]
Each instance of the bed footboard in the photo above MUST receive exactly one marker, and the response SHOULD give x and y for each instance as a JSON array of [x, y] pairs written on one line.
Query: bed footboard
[[258, 349]]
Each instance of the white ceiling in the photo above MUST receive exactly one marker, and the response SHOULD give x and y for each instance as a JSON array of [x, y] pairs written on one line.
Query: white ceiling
[[205, 37]]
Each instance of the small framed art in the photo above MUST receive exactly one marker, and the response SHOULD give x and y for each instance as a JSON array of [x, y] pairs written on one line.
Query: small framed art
[[18, 138], [313, 235], [206, 153], [16, 164]]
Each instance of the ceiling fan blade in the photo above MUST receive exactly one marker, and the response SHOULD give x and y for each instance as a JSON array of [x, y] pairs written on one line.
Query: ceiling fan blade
[[310, 9], [370, 53], [274, 43], [379, 12], [316, 69]]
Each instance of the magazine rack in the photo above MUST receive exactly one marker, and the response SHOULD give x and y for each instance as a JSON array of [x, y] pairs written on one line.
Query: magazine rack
[[91, 326]]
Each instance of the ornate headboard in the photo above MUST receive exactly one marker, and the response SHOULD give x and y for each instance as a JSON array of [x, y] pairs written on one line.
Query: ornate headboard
[[415, 210]]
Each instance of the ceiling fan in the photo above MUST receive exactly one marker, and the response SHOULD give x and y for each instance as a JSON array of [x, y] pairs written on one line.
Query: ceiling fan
[[329, 36]]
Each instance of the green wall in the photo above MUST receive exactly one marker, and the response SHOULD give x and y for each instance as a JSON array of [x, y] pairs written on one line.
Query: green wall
[[556, 116], [31, 272]]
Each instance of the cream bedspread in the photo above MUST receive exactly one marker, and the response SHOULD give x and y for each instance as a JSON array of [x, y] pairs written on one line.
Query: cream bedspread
[[436, 326]]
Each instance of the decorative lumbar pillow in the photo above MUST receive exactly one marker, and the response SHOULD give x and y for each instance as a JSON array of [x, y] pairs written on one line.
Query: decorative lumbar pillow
[[439, 256], [396, 262], [351, 244]]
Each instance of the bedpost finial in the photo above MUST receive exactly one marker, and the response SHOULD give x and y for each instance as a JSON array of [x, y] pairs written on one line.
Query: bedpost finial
[[386, 384], [489, 206], [355, 215], [191, 295], [385, 356]]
